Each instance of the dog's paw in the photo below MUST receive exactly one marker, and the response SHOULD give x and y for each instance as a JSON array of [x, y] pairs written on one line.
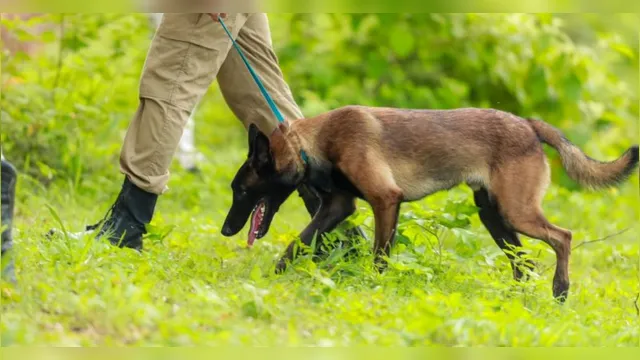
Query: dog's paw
[[560, 290], [381, 267], [281, 266]]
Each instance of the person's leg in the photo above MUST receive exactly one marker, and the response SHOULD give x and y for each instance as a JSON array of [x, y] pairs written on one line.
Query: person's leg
[[187, 154], [9, 178], [185, 55], [243, 96], [238, 86]]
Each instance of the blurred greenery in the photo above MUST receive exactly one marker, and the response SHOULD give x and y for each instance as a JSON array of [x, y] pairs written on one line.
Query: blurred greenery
[[64, 114], [581, 78]]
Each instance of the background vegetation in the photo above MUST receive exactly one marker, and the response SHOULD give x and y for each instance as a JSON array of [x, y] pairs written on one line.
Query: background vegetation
[[64, 114]]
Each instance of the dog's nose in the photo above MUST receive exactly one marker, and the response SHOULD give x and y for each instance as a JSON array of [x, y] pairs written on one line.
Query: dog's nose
[[226, 230]]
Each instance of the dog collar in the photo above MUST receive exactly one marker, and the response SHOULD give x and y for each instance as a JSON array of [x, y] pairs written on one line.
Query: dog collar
[[316, 175], [303, 156], [306, 164]]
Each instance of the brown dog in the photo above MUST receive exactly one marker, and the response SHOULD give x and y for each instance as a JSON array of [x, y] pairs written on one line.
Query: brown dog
[[388, 156]]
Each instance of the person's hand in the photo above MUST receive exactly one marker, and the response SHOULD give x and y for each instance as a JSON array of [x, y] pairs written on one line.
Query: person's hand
[[214, 16]]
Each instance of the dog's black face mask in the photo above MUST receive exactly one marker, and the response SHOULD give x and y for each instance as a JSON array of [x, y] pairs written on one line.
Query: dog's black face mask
[[258, 191]]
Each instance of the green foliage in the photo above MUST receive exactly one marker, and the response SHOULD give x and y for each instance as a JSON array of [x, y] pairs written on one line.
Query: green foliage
[[64, 115], [522, 63], [75, 90]]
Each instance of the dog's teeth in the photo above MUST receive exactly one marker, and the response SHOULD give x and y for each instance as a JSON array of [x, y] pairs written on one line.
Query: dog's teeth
[[255, 232]]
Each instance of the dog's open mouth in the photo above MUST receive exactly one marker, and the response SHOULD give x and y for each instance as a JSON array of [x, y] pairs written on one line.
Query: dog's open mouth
[[257, 228]]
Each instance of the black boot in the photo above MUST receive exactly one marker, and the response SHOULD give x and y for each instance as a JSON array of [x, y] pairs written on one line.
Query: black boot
[[124, 224], [9, 179]]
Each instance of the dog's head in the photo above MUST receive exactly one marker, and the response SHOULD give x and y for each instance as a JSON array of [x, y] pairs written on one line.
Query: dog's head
[[265, 180]]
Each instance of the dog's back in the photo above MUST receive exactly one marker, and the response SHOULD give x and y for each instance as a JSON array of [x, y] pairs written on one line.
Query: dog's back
[[427, 150]]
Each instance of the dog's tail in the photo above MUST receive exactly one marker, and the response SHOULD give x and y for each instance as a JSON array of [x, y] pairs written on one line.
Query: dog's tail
[[581, 168]]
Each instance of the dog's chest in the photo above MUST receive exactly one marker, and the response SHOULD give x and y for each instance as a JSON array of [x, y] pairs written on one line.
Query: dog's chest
[[329, 178]]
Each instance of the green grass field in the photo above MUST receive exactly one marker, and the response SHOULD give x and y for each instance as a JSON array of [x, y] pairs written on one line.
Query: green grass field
[[448, 283], [192, 286]]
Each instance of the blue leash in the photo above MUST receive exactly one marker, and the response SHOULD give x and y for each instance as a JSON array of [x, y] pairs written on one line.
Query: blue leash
[[263, 90]]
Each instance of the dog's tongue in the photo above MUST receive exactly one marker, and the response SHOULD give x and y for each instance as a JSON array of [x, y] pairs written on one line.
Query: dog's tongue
[[256, 220]]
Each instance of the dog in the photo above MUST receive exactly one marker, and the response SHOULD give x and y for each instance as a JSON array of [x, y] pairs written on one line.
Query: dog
[[387, 156]]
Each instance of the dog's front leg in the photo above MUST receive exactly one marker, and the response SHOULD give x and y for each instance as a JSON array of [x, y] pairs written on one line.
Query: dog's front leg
[[385, 211], [333, 210], [373, 177]]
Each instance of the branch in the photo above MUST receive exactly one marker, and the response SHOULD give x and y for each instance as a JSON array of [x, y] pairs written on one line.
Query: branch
[[59, 67], [543, 270], [601, 239]]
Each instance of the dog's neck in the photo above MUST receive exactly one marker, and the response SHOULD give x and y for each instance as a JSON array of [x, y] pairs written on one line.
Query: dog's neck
[[287, 146], [290, 145], [297, 144], [315, 170]]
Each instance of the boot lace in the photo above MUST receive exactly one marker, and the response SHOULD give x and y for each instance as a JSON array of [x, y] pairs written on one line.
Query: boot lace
[[106, 216]]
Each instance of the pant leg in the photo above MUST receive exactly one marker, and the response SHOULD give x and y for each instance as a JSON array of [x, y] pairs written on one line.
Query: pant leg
[[8, 177], [184, 57], [8, 194], [240, 90], [186, 153]]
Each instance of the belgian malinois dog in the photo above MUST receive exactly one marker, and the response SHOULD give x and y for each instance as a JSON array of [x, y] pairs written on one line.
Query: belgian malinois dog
[[388, 156]]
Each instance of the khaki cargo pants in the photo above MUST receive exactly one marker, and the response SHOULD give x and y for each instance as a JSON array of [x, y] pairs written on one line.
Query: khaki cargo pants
[[187, 53]]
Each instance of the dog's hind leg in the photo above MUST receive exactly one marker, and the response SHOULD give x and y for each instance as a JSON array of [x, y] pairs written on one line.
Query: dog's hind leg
[[506, 238], [518, 186], [535, 225], [334, 209]]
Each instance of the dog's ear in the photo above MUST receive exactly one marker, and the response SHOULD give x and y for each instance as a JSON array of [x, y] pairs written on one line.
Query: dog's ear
[[283, 127], [261, 153], [253, 133]]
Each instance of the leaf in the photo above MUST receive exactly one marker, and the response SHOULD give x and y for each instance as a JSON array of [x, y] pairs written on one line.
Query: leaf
[[402, 239], [48, 36], [461, 207], [401, 40], [572, 87], [45, 170], [624, 50], [325, 281], [250, 309], [452, 221], [376, 65], [536, 83], [256, 273]]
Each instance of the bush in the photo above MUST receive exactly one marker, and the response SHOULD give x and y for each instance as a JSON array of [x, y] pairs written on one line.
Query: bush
[[523, 63], [63, 112]]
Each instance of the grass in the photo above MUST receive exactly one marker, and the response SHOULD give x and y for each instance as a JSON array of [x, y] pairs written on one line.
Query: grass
[[448, 283], [193, 286]]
